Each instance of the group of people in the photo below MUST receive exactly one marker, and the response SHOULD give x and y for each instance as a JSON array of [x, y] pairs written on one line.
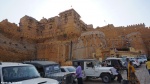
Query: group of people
[[131, 76]]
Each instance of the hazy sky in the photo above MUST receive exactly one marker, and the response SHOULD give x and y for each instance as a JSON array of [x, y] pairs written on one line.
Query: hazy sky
[[96, 12]]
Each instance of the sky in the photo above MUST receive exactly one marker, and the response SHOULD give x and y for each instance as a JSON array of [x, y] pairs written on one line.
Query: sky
[[96, 12]]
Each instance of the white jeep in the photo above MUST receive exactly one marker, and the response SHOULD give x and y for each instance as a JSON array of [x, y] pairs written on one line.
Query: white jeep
[[18, 73], [92, 68]]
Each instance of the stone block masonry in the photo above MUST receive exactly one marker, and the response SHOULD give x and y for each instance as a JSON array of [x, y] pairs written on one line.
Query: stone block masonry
[[66, 37]]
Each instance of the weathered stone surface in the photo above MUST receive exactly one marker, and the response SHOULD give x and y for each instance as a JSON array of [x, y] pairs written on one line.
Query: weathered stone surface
[[65, 37], [13, 45]]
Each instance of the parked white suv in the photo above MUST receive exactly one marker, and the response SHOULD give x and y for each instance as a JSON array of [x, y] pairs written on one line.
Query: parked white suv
[[144, 57], [136, 63], [140, 60], [92, 68], [18, 73]]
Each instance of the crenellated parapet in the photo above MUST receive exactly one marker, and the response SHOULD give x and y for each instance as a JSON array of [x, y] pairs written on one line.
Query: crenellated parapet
[[137, 25], [148, 27], [121, 26]]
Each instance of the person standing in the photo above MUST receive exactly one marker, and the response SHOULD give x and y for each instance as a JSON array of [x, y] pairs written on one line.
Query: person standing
[[79, 74], [126, 65], [131, 74], [148, 65]]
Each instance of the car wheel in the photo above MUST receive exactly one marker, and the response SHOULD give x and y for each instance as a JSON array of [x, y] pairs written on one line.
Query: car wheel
[[106, 78]]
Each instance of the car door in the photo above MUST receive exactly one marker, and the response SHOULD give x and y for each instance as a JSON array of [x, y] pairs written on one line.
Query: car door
[[115, 63], [89, 69]]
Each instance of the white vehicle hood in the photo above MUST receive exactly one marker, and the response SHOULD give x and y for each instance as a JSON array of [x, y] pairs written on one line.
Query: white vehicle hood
[[38, 81], [103, 68], [136, 63], [60, 74]]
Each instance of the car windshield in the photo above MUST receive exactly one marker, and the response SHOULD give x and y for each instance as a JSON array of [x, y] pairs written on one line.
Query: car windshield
[[97, 63], [52, 69], [19, 73], [71, 69], [56, 68]]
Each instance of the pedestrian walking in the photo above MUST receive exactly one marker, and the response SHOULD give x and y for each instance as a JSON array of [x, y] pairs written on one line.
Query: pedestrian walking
[[79, 74], [148, 65]]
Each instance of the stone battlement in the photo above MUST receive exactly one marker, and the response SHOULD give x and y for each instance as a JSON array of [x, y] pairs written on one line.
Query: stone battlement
[[137, 25]]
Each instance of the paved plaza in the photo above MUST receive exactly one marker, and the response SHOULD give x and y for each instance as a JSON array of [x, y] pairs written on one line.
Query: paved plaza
[[143, 75]]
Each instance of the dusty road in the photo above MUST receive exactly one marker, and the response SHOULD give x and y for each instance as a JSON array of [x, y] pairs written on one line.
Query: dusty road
[[141, 73]]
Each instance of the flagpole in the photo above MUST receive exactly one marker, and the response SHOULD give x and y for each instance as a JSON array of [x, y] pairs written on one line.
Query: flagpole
[[105, 22]]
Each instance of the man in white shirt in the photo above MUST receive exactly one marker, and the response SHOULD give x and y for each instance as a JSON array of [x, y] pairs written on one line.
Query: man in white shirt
[[114, 71]]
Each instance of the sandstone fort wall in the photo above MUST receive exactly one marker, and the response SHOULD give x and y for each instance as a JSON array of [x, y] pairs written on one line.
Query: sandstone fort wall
[[65, 37]]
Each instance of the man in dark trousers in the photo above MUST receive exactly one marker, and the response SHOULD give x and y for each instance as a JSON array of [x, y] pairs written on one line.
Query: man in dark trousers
[[116, 73], [79, 74]]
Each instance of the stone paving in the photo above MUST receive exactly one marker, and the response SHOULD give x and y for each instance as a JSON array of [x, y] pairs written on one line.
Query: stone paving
[[143, 75]]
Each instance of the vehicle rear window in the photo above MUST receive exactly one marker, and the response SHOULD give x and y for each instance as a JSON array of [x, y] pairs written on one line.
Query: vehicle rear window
[[52, 69], [71, 69]]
